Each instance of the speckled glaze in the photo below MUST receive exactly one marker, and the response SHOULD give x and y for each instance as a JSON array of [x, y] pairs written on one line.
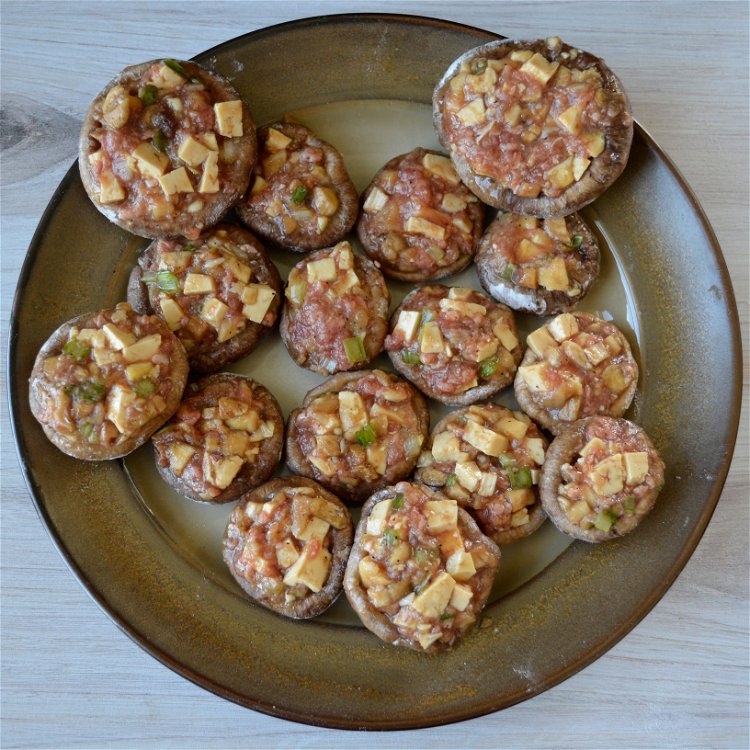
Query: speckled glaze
[[338, 675]]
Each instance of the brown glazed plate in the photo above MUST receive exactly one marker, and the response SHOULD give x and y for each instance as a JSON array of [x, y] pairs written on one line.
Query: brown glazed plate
[[152, 560]]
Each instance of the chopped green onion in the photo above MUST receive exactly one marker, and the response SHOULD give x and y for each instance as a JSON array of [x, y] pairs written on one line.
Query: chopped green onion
[[451, 480], [190, 248], [160, 141], [390, 536], [575, 241], [508, 271], [166, 281], [89, 391], [630, 503], [479, 65], [488, 367], [520, 479], [605, 520], [410, 358], [398, 502], [87, 430], [77, 349], [506, 461], [355, 350], [176, 67], [299, 194], [144, 387], [297, 292], [447, 616], [149, 94], [366, 435], [424, 555]]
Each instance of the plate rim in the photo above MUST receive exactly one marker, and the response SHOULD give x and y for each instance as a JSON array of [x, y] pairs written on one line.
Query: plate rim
[[489, 706]]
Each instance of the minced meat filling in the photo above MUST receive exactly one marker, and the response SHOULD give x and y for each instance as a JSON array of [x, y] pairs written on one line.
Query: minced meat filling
[[109, 379], [293, 186], [488, 459], [207, 290], [418, 215], [210, 439], [530, 123], [286, 542], [455, 338], [166, 144], [581, 366], [537, 254], [417, 567], [611, 477], [335, 308], [355, 434]]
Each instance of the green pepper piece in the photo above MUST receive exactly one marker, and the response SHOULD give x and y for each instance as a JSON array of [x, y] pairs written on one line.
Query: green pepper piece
[[398, 502], [160, 141], [605, 520], [447, 616], [451, 480], [144, 387], [391, 537], [89, 391], [190, 248], [177, 67], [508, 272], [478, 66], [506, 461], [149, 94], [355, 350], [166, 281], [488, 367], [77, 349], [409, 357], [520, 479], [575, 241], [87, 430], [366, 435], [630, 503], [299, 194]]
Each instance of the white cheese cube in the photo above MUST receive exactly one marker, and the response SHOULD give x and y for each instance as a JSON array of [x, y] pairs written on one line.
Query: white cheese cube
[[418, 225], [608, 476], [540, 341], [287, 554], [219, 470], [210, 177], [473, 113], [376, 201], [636, 467], [143, 349], [432, 600], [432, 339], [408, 321], [192, 152], [446, 448], [176, 181], [118, 339], [468, 474], [489, 442], [442, 515], [321, 270], [229, 118], [172, 312], [256, 311], [276, 140], [441, 166], [180, 455], [563, 326], [461, 597], [198, 283], [111, 190], [309, 571], [377, 518], [352, 411], [506, 337], [540, 67], [535, 447], [150, 162], [487, 484], [118, 401], [316, 528], [213, 311], [460, 565]]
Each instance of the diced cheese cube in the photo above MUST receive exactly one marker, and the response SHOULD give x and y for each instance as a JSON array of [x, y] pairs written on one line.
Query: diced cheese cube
[[461, 597], [141, 370], [192, 152], [400, 554], [176, 261], [563, 326], [486, 350], [276, 140], [595, 444], [166, 78], [580, 166], [321, 270], [352, 411], [149, 161], [210, 177], [506, 337], [615, 379], [209, 140], [534, 377], [287, 554], [528, 251], [118, 401], [143, 349], [229, 118], [596, 353], [256, 311], [578, 510], [344, 256], [220, 470], [176, 181], [213, 311], [594, 142], [468, 474], [241, 271], [111, 190], [118, 339], [434, 598], [441, 166], [227, 408], [441, 515], [535, 448], [418, 225], [473, 113], [562, 173], [575, 354], [172, 312], [636, 467], [489, 442], [432, 339], [258, 185], [248, 421], [453, 203], [463, 307], [377, 457], [540, 341], [376, 201], [198, 283], [377, 518], [521, 55], [557, 227], [540, 67], [512, 115], [460, 566], [446, 448], [513, 428], [608, 476], [570, 118], [325, 201], [180, 455], [316, 528], [450, 542], [554, 275], [519, 518], [408, 321], [308, 570], [460, 292], [487, 484], [371, 574]]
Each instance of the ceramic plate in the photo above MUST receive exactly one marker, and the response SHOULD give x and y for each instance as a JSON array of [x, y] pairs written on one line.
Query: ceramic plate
[[152, 559]]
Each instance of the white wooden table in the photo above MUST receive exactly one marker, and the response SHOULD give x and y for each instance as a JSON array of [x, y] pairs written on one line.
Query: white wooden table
[[71, 679]]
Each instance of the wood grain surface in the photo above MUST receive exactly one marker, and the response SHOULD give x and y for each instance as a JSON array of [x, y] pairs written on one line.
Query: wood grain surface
[[71, 679]]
